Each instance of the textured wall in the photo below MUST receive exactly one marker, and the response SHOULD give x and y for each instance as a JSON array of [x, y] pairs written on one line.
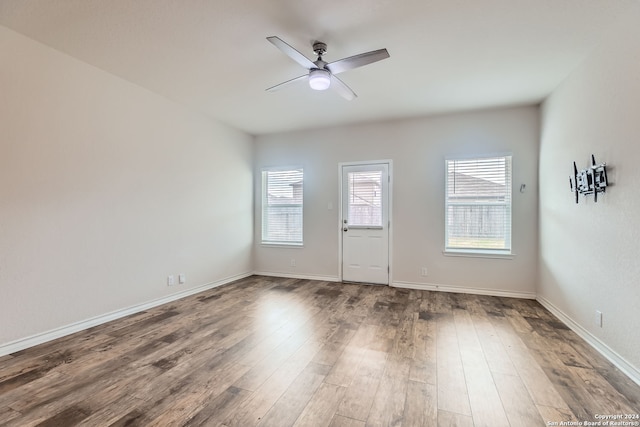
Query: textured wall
[[105, 189], [589, 252]]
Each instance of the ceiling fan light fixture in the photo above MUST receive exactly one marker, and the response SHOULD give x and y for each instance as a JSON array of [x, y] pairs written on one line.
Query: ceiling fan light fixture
[[319, 79]]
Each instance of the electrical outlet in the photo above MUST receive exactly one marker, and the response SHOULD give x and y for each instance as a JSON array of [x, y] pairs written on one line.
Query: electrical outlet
[[171, 280], [182, 278], [598, 318], [293, 262], [423, 271]]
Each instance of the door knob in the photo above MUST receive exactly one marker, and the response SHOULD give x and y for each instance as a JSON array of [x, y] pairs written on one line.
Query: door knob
[[345, 229]]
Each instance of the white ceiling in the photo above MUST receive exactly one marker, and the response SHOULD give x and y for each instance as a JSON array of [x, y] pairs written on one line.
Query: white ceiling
[[212, 56]]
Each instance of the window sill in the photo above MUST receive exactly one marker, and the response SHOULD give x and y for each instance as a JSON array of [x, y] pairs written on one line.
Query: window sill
[[282, 245], [470, 253]]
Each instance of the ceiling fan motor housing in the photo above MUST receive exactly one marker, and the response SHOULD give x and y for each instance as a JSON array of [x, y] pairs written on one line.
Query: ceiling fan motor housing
[[320, 48]]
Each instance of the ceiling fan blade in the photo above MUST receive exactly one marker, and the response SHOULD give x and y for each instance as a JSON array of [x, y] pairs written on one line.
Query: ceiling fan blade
[[287, 83], [291, 52], [342, 89], [356, 61]]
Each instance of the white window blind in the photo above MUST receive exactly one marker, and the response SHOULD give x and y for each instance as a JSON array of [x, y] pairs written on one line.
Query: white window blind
[[478, 205], [365, 199], [282, 198]]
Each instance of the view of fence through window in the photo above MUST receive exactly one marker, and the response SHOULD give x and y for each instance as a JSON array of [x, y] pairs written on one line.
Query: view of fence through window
[[282, 206], [478, 204], [365, 199]]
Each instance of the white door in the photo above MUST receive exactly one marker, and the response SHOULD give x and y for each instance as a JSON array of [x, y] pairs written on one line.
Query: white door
[[365, 223]]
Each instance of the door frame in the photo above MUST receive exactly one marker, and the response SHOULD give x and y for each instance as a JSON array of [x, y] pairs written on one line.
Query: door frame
[[389, 164]]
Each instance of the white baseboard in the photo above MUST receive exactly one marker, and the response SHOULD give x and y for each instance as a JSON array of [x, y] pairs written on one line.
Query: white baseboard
[[613, 357], [297, 276], [463, 290], [33, 340]]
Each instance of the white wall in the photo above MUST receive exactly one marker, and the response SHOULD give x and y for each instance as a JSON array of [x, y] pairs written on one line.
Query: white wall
[[417, 148], [107, 188], [590, 252]]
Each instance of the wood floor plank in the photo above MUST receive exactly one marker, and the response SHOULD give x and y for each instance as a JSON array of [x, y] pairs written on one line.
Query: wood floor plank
[[383, 340], [321, 407], [622, 383], [538, 384], [518, 405], [329, 353], [388, 404], [34, 392], [6, 358], [423, 364], [262, 371], [284, 351], [219, 407], [67, 417], [361, 392], [453, 395], [266, 346], [365, 336], [105, 394], [484, 400], [421, 406], [266, 359], [403, 343], [552, 415], [290, 405], [197, 391], [340, 421], [494, 351], [345, 331], [607, 398], [594, 359], [345, 367], [111, 413], [452, 419], [8, 414], [93, 396], [263, 398]]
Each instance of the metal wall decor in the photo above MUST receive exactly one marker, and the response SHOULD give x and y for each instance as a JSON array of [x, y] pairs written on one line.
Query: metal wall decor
[[592, 180]]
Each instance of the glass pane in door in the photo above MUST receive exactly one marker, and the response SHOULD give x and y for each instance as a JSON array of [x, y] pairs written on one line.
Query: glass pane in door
[[365, 199]]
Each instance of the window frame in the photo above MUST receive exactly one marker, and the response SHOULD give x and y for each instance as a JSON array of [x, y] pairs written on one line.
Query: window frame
[[483, 252], [265, 208]]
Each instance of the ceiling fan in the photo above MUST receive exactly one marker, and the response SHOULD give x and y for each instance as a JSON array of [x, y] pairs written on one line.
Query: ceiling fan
[[322, 75]]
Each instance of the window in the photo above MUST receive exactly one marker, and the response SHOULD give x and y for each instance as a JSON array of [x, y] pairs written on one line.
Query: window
[[282, 206], [478, 205], [365, 199]]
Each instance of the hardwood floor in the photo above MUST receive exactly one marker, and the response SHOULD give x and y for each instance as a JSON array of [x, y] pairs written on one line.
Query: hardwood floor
[[286, 352]]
